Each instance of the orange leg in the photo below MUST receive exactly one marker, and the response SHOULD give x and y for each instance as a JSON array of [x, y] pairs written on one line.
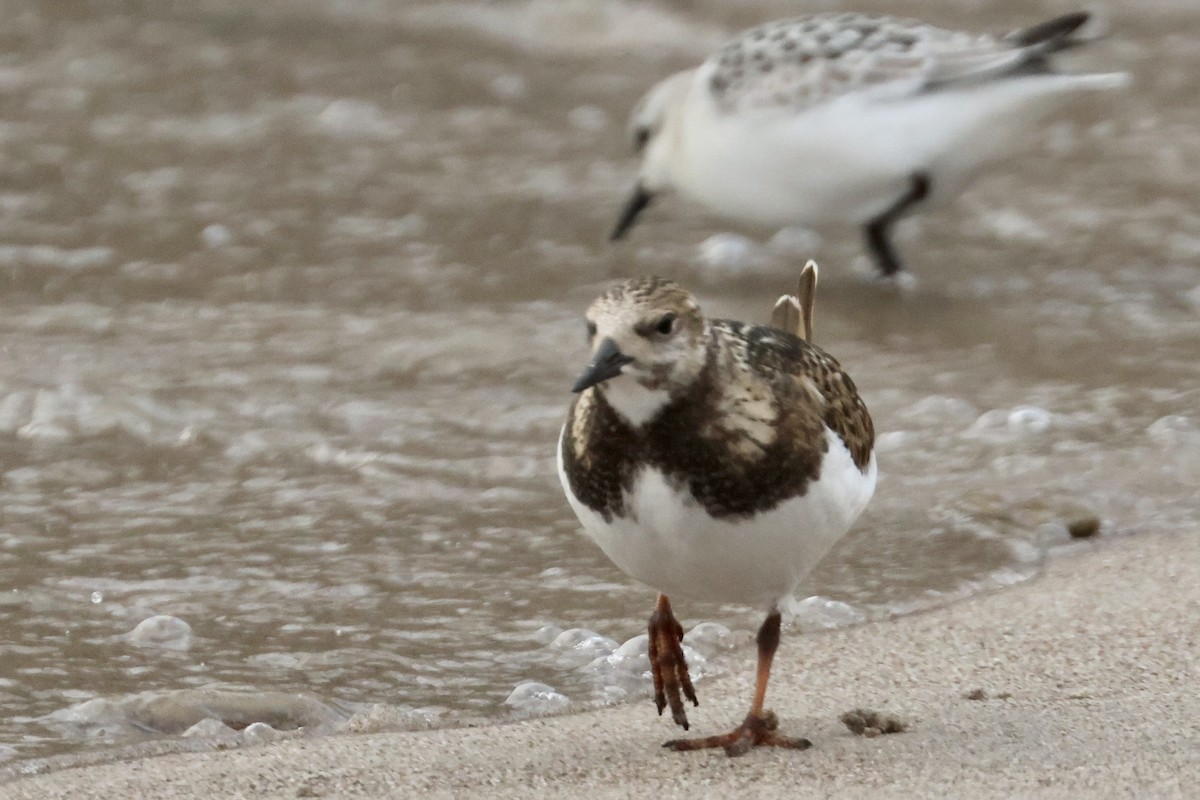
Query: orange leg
[[758, 729], [667, 664]]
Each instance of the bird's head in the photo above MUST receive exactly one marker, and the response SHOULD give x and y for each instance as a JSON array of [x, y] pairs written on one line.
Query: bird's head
[[649, 342], [654, 130]]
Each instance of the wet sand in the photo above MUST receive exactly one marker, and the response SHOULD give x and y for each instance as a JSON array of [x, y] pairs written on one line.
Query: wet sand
[[1086, 675]]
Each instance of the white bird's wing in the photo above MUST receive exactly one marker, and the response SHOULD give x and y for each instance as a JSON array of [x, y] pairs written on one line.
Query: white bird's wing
[[798, 63]]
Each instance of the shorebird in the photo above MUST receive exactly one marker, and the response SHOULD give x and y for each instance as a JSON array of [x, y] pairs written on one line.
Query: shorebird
[[848, 118], [715, 460]]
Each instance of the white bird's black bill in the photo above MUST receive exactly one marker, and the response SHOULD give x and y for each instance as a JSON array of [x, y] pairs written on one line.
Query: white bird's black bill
[[634, 206]]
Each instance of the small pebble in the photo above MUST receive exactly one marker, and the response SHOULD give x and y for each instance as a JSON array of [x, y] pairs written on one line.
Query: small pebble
[[1084, 528], [868, 723]]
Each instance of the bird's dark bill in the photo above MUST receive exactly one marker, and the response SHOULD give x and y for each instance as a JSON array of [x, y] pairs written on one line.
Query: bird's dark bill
[[634, 206], [607, 363]]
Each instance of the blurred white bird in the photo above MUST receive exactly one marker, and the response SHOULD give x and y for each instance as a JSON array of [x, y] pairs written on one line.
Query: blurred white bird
[[848, 118]]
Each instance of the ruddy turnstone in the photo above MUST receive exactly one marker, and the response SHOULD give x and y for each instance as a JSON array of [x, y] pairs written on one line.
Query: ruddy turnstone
[[716, 460], [838, 118]]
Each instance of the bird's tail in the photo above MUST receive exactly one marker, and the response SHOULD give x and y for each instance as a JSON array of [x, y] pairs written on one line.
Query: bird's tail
[[1027, 52], [793, 313], [1060, 33]]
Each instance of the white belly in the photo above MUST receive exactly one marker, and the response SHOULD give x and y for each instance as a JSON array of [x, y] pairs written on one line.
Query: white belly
[[671, 544], [850, 159]]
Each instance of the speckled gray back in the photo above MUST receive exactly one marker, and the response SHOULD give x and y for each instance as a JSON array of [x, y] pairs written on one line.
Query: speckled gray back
[[798, 63]]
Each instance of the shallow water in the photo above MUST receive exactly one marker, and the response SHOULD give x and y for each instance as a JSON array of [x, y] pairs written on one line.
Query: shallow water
[[292, 302]]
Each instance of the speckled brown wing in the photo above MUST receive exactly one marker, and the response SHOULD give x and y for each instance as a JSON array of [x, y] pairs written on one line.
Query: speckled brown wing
[[749, 435], [808, 382], [845, 412]]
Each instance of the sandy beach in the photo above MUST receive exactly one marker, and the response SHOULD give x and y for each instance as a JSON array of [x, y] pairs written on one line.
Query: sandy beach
[[1086, 677]]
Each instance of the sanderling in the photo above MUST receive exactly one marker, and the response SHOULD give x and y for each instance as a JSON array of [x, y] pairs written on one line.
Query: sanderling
[[716, 460], [848, 118]]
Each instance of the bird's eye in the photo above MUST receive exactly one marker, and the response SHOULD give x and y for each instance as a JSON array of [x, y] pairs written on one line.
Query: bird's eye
[[591, 330], [665, 324], [641, 137]]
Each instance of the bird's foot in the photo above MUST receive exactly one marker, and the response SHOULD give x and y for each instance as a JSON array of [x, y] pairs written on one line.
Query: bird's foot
[[757, 730], [667, 664]]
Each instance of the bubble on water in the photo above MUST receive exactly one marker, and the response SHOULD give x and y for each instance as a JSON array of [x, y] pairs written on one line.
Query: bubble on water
[[937, 410], [508, 87], [92, 718], [794, 240], [97, 597], [163, 632], [546, 634], [1020, 420], [697, 661], [629, 665], [216, 235], [382, 717], [375, 228], [989, 421], [1025, 552], [1030, 419], [822, 613], [613, 694], [1172, 429], [585, 641], [16, 409], [276, 661], [726, 255], [588, 118], [1193, 297], [711, 638], [630, 660], [247, 447], [1011, 224], [43, 256], [180, 712], [634, 649], [209, 728], [536, 698], [50, 410], [259, 733], [891, 441], [349, 116]]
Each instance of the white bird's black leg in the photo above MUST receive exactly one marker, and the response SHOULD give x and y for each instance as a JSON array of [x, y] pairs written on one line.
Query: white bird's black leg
[[878, 232]]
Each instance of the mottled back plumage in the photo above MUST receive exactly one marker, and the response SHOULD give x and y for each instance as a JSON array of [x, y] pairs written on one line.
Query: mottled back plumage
[[742, 436]]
